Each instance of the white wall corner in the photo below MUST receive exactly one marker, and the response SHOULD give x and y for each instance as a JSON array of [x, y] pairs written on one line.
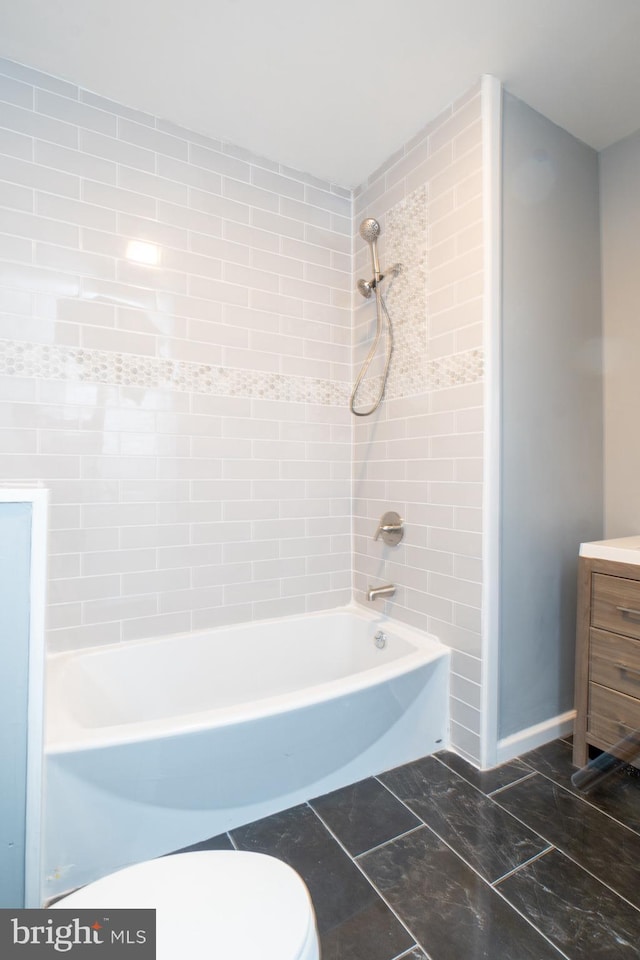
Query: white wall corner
[[491, 93], [531, 737]]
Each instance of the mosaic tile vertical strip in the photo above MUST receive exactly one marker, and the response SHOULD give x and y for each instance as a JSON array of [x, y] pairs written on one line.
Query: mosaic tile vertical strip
[[406, 245], [413, 369]]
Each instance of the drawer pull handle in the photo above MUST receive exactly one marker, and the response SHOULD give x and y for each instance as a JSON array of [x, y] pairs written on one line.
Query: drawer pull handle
[[628, 670], [628, 612]]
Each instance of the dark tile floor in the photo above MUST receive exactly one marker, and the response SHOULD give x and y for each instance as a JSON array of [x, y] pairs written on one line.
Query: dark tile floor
[[438, 860]]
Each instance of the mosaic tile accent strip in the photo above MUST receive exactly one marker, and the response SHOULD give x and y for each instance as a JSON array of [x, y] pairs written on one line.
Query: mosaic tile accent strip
[[459, 368], [438, 374], [406, 244], [44, 362]]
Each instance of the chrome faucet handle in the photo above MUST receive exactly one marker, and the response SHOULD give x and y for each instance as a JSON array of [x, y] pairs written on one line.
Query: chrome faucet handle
[[390, 528]]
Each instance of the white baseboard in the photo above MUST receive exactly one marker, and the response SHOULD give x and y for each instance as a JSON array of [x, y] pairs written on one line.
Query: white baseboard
[[531, 737]]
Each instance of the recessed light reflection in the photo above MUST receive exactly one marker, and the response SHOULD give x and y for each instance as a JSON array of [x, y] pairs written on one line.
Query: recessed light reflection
[[139, 251]]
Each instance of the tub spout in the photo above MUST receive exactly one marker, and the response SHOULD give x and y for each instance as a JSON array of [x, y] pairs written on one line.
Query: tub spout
[[373, 593]]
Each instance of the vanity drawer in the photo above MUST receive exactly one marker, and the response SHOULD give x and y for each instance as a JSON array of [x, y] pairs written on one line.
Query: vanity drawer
[[615, 662], [615, 604], [612, 715]]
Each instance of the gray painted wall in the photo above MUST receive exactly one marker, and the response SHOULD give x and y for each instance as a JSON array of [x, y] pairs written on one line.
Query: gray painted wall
[[551, 446], [620, 224], [15, 534]]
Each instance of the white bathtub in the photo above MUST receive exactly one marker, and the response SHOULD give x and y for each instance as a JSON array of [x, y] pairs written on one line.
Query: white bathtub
[[154, 745]]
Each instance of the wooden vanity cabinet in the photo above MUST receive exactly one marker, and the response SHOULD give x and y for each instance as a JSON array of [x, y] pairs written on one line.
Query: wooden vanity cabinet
[[607, 658]]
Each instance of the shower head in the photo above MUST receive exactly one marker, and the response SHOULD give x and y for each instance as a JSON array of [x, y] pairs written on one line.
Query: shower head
[[370, 230]]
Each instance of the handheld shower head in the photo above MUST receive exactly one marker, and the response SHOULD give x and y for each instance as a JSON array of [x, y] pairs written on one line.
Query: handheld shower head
[[370, 231]]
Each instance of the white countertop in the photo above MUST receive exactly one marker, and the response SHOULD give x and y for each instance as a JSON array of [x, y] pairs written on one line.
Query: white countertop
[[623, 550]]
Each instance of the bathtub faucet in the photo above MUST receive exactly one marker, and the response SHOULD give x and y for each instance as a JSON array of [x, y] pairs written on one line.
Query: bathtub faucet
[[373, 593]]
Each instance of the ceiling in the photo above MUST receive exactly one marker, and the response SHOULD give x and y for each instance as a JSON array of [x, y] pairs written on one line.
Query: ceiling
[[333, 88]]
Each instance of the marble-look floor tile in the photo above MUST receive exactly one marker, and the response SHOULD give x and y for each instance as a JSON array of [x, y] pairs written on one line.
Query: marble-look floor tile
[[364, 815], [602, 846], [553, 760], [353, 921], [576, 912], [485, 780], [471, 823], [221, 842], [365, 934], [617, 794], [452, 913]]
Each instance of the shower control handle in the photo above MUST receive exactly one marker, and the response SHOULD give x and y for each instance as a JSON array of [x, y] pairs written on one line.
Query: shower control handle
[[390, 528]]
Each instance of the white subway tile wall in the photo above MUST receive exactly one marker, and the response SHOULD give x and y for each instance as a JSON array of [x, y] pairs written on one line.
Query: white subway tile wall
[[421, 452], [177, 324], [175, 355]]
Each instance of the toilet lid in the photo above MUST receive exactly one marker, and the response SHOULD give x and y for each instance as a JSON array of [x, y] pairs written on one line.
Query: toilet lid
[[214, 904]]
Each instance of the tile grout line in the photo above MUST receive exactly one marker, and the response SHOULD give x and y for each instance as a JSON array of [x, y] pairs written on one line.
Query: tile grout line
[[507, 786], [572, 858], [451, 848], [385, 843], [487, 797], [583, 798], [408, 953], [589, 873], [534, 770], [371, 883], [487, 882], [525, 776], [562, 853], [561, 953], [510, 873]]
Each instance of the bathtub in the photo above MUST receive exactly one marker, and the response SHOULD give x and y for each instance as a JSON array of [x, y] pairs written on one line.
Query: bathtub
[[154, 745]]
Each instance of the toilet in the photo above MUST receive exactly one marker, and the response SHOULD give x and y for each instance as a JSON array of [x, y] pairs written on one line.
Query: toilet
[[212, 905]]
